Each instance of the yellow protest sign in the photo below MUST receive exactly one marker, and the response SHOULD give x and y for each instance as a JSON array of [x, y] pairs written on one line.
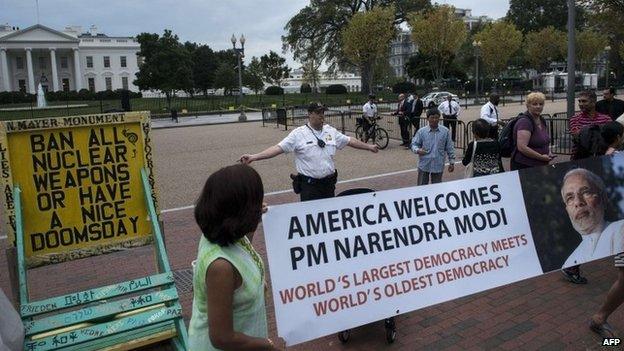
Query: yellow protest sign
[[81, 185]]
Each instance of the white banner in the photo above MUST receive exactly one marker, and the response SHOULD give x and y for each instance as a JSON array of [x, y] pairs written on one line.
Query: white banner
[[343, 262]]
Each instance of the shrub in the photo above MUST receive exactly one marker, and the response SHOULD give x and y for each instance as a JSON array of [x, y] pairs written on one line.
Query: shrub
[[336, 89], [305, 88], [403, 87], [274, 90]]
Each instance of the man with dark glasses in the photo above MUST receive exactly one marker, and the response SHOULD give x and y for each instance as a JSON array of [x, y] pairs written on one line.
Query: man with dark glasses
[[314, 145]]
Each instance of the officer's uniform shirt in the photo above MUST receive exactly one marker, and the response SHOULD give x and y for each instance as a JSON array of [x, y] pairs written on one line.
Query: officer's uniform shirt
[[369, 109], [489, 112], [449, 109], [310, 159]]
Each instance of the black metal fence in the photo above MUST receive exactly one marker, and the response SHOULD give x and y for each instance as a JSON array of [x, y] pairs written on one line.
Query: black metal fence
[[346, 122]]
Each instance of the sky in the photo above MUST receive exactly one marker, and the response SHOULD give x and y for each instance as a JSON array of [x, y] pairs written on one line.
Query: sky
[[210, 22]]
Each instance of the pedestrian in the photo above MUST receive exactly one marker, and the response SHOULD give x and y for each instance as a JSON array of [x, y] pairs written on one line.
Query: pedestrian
[[416, 109], [314, 145], [450, 110], [433, 144], [489, 113], [402, 113], [532, 140], [483, 152], [609, 105], [229, 276], [369, 114], [612, 135]]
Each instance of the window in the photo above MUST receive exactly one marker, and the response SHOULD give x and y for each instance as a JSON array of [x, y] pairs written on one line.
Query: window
[[89, 61], [109, 83], [65, 82], [107, 61], [124, 83], [42, 62], [19, 62], [91, 84], [123, 62], [64, 62], [22, 85]]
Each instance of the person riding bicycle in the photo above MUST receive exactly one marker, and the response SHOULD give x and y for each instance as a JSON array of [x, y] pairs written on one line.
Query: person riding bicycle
[[369, 115]]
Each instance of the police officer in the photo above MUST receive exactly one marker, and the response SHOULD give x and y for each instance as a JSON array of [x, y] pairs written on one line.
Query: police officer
[[489, 113], [314, 145]]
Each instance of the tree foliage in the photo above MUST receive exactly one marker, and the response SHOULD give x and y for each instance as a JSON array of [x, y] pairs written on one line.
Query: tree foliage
[[226, 78], [367, 39], [274, 68], [438, 35], [166, 64], [544, 46], [204, 66], [317, 27], [499, 43], [589, 45], [534, 15], [253, 75]]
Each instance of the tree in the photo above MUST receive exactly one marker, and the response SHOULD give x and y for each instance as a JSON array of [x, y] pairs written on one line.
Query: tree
[[499, 43], [438, 35], [312, 74], [253, 75], [318, 26], [204, 67], [367, 39], [226, 78], [534, 15], [545, 46], [417, 67], [274, 68], [605, 17], [166, 66], [589, 45]]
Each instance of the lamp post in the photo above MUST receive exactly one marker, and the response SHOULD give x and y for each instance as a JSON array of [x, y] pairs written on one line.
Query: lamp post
[[477, 46], [240, 53], [607, 51]]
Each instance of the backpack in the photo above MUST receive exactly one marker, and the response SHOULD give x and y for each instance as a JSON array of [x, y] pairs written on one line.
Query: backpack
[[506, 136]]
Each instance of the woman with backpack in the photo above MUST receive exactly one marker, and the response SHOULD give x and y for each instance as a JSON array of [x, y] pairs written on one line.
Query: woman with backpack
[[531, 136]]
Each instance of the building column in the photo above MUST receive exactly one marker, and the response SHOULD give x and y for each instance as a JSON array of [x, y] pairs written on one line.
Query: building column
[[5, 70], [29, 67], [77, 78], [55, 81]]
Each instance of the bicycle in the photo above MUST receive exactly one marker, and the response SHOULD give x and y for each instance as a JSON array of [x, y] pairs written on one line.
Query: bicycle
[[376, 134]]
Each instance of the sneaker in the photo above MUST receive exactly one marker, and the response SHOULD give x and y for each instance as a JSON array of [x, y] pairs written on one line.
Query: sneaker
[[574, 277]]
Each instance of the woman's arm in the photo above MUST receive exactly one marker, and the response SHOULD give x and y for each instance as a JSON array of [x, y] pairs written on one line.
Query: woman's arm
[[522, 145], [221, 281]]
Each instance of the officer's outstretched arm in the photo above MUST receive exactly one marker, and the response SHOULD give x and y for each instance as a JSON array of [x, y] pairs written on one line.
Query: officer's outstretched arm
[[268, 153], [355, 143]]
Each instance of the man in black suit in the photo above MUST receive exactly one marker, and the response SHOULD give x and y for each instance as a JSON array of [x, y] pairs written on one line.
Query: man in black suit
[[402, 112], [609, 105], [416, 109]]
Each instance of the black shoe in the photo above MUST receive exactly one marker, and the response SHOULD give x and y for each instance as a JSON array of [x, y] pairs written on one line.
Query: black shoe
[[405, 144], [574, 277]]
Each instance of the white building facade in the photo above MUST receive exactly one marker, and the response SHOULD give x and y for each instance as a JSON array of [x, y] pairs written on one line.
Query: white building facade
[[67, 60], [293, 83]]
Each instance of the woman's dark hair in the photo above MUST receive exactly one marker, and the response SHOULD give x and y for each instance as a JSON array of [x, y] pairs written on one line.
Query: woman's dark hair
[[230, 205], [481, 128], [611, 131]]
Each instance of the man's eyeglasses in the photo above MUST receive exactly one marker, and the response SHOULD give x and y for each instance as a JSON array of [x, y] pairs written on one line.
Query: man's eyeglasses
[[585, 194]]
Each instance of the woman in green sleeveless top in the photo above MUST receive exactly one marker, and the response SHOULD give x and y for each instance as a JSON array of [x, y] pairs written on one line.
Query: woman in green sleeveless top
[[228, 275]]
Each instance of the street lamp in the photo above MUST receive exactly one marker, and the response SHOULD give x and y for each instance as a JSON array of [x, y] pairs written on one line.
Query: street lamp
[[240, 53], [477, 46], [607, 50]]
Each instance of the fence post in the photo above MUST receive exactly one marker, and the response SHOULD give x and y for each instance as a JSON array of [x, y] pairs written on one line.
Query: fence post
[[342, 121], [101, 105]]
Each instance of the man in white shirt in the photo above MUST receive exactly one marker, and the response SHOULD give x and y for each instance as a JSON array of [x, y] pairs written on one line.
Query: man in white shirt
[[450, 110], [584, 196], [369, 113], [314, 145], [489, 112]]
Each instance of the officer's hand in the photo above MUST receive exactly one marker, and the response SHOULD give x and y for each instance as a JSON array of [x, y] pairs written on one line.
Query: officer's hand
[[246, 159], [451, 167], [373, 148]]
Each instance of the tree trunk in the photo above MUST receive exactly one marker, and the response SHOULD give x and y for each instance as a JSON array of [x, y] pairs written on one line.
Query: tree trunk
[[168, 96], [366, 79]]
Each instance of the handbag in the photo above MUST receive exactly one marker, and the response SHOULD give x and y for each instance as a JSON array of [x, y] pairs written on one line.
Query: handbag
[[469, 170]]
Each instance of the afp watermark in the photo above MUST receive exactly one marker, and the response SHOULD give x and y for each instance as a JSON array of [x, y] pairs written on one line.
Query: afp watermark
[[611, 341]]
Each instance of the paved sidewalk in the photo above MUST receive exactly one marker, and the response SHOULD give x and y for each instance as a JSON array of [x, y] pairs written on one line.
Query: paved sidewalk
[[545, 313]]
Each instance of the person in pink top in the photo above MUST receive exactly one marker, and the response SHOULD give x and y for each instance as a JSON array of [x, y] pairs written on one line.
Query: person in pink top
[[588, 115]]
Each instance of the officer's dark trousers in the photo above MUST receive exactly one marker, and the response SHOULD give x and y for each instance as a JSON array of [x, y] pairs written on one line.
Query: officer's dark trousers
[[450, 122], [317, 191], [404, 124]]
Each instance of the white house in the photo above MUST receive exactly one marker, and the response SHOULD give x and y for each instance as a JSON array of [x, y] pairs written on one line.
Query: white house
[[293, 83], [66, 60]]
